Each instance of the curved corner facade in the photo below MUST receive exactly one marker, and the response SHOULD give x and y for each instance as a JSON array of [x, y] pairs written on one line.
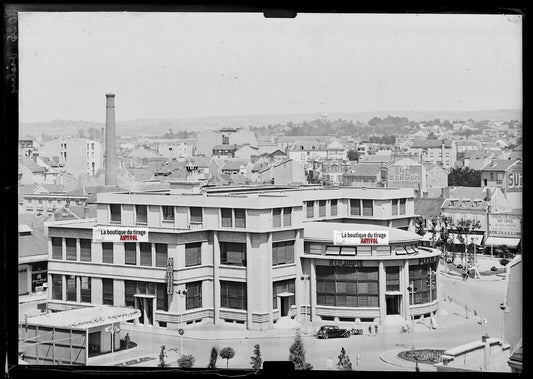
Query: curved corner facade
[[246, 255]]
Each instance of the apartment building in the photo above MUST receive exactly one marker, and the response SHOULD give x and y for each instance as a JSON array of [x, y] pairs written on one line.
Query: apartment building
[[240, 253]]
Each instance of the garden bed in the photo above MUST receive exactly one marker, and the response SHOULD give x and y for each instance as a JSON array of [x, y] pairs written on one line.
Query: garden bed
[[430, 356]]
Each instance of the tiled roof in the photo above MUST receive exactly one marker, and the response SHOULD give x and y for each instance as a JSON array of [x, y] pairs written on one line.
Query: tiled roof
[[34, 167], [467, 193], [500, 165], [477, 164], [33, 244], [234, 164], [79, 210], [225, 147], [366, 169], [428, 207], [430, 143]]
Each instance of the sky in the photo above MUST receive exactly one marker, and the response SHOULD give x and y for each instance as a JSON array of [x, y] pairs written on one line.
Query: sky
[[181, 65]]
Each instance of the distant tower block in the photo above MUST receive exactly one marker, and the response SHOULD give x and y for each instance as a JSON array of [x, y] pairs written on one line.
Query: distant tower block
[[324, 116], [110, 135]]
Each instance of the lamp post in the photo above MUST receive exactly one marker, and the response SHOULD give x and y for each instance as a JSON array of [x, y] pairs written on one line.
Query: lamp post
[[465, 279], [183, 294], [112, 330], [432, 276], [305, 278], [412, 290]]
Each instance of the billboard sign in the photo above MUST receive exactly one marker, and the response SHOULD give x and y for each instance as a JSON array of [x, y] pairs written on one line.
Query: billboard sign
[[361, 238], [120, 234], [514, 179], [170, 276], [505, 225]]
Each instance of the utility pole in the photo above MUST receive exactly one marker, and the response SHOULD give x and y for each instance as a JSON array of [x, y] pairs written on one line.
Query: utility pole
[[465, 279], [112, 330], [305, 278], [412, 290], [182, 294]]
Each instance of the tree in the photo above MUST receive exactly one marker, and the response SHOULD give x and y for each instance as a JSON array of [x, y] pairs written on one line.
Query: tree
[[432, 135], [256, 358], [464, 177], [444, 239], [227, 353], [297, 354], [353, 155], [162, 356], [186, 361], [344, 363], [213, 358], [419, 226]]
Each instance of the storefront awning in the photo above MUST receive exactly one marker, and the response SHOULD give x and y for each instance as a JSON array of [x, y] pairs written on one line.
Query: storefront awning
[[502, 241], [285, 294], [468, 238]]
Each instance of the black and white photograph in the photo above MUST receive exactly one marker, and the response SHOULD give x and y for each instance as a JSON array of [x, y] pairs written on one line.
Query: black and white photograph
[[204, 190]]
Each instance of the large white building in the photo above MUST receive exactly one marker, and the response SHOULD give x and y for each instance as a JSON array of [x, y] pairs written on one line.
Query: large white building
[[240, 253]]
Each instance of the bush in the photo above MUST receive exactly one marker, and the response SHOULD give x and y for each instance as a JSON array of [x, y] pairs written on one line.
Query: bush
[[297, 354], [504, 261], [213, 358], [186, 361], [227, 353], [256, 358]]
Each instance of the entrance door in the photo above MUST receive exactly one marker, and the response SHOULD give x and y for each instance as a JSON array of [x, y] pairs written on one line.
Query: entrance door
[[149, 311], [94, 343], [284, 306], [393, 304]]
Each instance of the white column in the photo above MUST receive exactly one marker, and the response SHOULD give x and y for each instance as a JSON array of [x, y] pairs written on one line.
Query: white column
[[78, 250], [382, 288], [216, 279], [250, 287], [269, 280], [312, 290]]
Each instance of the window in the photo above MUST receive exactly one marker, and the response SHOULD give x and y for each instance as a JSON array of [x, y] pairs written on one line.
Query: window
[[146, 253], [115, 212], [226, 218], [162, 297], [233, 295], [71, 249], [276, 217], [130, 289], [196, 215], [395, 207], [161, 254], [368, 208], [107, 291], [347, 286], [107, 252], [281, 287], [71, 288], [130, 250], [491, 176], [287, 216], [233, 253], [310, 209], [57, 248], [85, 290], [355, 207], [168, 213], [402, 206], [393, 278], [57, 287], [193, 254], [418, 275], [334, 207], [322, 208], [141, 213], [194, 295], [282, 253], [85, 250], [240, 218], [23, 281]]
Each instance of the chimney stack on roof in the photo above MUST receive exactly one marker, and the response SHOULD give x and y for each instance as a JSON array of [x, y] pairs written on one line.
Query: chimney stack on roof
[[110, 152]]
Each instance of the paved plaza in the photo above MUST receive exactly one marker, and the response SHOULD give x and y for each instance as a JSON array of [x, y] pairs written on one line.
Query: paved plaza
[[454, 326]]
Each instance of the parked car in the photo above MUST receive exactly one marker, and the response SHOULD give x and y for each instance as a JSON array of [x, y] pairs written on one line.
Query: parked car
[[332, 331]]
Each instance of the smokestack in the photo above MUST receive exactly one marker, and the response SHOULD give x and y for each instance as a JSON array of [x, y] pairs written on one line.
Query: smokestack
[[110, 153]]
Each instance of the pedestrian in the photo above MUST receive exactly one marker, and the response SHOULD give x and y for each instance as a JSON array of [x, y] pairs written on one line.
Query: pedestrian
[[369, 329], [127, 341], [376, 328]]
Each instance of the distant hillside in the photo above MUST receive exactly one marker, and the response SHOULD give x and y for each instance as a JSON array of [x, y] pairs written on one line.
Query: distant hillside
[[160, 126]]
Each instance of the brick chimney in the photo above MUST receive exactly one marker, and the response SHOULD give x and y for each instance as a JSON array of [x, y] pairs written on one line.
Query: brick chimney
[[110, 152]]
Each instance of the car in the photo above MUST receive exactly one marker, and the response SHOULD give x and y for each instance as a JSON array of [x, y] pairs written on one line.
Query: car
[[332, 331]]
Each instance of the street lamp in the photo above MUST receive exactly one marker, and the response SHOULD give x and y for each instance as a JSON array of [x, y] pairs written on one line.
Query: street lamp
[[432, 279], [412, 289], [183, 294], [112, 330], [305, 278]]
